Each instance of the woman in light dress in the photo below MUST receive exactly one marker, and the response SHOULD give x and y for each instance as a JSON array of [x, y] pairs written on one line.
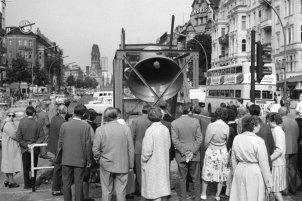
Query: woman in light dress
[[155, 159], [216, 157], [252, 177], [278, 157], [11, 153]]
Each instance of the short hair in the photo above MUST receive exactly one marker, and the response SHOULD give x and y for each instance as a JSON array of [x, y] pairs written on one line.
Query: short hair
[[155, 114], [221, 113], [274, 117], [232, 114], [110, 114], [241, 112], [240, 101], [79, 110], [223, 105], [118, 110], [196, 109], [86, 114], [30, 110], [283, 111], [92, 114], [44, 106], [248, 104], [254, 109], [185, 109], [162, 104], [250, 122], [62, 109], [146, 109], [67, 102]]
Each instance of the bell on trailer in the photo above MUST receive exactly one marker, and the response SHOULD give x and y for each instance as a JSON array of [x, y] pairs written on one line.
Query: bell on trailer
[[158, 71]]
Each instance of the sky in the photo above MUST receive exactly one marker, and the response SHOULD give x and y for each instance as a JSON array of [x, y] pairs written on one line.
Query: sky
[[75, 25]]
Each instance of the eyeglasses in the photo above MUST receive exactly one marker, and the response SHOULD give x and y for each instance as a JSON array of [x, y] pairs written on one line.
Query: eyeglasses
[[11, 115]]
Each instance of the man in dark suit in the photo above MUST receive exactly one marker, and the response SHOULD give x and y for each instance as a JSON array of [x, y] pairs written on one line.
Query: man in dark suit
[[291, 130], [138, 129], [187, 138], [75, 144], [55, 125], [113, 147], [43, 120], [28, 133]]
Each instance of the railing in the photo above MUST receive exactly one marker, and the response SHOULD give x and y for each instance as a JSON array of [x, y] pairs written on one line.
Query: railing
[[32, 165]]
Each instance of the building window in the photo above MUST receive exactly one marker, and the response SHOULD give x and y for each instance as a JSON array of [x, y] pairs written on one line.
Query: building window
[[288, 7], [291, 64], [40, 55], [277, 40], [243, 47], [259, 14], [25, 42], [20, 42], [222, 31], [243, 24], [222, 51], [301, 33], [10, 42], [30, 43], [30, 54], [290, 35], [26, 55]]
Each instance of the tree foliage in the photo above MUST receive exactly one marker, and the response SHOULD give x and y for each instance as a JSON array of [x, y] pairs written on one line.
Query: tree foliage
[[41, 77], [206, 42], [70, 81], [90, 82], [19, 72]]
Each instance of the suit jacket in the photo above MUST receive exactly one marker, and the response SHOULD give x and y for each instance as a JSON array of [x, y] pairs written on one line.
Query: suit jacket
[[113, 147], [29, 132], [186, 136], [43, 119], [75, 143], [138, 129], [291, 130], [54, 130]]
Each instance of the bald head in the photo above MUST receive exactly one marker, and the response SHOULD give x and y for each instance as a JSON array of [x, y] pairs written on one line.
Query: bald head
[[62, 109], [283, 111]]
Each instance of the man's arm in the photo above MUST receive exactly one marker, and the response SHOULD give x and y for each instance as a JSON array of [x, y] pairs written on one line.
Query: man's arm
[[130, 148], [96, 148], [198, 139], [88, 144], [176, 142], [19, 136], [40, 133], [60, 141]]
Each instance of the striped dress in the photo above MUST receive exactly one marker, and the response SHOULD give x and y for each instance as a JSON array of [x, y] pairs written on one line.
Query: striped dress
[[278, 160]]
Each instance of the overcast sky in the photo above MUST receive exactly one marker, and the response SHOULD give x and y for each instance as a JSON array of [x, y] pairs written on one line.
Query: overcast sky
[[76, 25]]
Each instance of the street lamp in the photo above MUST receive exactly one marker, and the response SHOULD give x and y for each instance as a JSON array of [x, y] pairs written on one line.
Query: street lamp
[[60, 57], [204, 51], [284, 53]]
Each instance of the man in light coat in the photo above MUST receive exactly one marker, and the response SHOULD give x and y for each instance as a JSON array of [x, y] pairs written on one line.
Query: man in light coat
[[187, 139], [113, 147]]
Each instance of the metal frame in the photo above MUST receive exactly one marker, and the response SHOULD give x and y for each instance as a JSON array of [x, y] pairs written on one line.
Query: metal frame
[[121, 60]]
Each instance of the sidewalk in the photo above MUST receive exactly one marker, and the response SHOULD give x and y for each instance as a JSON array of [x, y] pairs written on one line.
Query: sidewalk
[[43, 193]]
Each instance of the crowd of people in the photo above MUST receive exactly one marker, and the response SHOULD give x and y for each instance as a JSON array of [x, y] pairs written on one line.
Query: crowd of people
[[248, 155]]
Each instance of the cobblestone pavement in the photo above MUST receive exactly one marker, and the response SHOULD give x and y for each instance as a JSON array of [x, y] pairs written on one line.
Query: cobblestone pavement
[[43, 193]]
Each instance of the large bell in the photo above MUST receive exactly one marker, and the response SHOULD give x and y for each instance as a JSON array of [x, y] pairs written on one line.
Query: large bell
[[158, 71]]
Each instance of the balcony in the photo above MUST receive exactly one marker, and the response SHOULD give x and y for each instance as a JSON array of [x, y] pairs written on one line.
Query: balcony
[[224, 40], [266, 24]]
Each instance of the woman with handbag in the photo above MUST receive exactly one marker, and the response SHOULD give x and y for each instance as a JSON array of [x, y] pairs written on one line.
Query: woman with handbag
[[11, 153], [216, 157], [250, 164], [278, 157]]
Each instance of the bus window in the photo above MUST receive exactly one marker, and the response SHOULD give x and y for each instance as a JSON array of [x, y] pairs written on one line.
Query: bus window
[[239, 69], [222, 71], [267, 70], [227, 71], [237, 93], [232, 93], [267, 95], [257, 94], [218, 73], [233, 70], [227, 93], [222, 93]]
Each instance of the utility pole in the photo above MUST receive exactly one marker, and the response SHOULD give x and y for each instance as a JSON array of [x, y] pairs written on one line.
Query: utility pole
[[253, 66]]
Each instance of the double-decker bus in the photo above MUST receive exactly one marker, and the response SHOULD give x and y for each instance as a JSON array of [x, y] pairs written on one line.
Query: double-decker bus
[[233, 82]]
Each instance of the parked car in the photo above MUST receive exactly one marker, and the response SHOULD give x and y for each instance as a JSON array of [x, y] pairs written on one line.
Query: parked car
[[101, 104]]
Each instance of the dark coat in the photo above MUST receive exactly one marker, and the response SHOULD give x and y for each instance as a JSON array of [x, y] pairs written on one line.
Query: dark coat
[[54, 130]]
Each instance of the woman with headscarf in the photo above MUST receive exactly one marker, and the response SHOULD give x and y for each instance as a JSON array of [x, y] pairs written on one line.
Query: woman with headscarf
[[11, 153], [250, 164]]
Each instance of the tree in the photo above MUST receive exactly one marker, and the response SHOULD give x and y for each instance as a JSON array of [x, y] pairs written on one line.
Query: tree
[[206, 42], [19, 72], [41, 77], [79, 83], [90, 82], [70, 80]]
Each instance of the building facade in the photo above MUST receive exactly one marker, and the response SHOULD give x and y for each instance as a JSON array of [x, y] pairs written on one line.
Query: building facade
[[3, 49], [75, 71]]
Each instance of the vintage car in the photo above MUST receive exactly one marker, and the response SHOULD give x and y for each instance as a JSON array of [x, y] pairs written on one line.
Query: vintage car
[[100, 104]]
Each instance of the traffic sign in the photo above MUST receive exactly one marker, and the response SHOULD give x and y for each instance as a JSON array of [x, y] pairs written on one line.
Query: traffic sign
[[298, 86]]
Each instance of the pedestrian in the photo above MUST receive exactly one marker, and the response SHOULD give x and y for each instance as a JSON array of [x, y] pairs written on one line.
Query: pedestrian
[[252, 177], [113, 148], [187, 139], [54, 130], [75, 145], [299, 105], [291, 130], [52, 108], [278, 157], [265, 132], [29, 132], [138, 127], [11, 162], [299, 166], [232, 114], [43, 120], [155, 158], [216, 157]]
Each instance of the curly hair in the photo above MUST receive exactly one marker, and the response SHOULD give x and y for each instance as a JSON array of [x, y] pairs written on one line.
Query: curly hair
[[221, 113], [249, 123], [232, 114], [155, 114], [274, 117]]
